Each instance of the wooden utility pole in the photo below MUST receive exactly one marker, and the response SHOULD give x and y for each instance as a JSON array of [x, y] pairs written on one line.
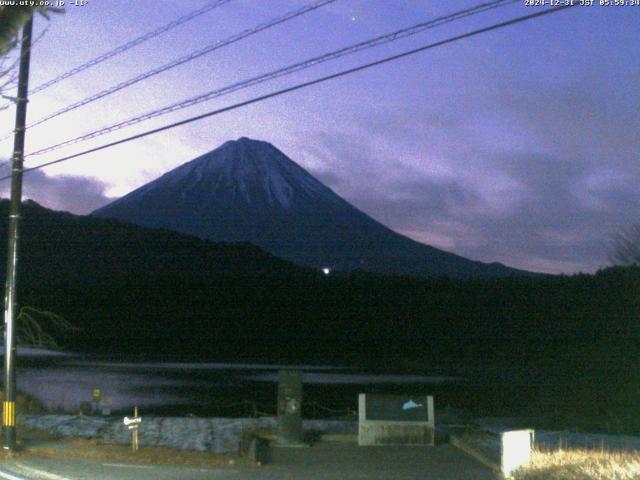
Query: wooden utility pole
[[10, 302]]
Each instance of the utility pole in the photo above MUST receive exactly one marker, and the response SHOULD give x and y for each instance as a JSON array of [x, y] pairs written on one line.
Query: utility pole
[[10, 302]]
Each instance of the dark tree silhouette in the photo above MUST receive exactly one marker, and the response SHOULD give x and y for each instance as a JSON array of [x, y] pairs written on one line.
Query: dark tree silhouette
[[12, 18], [36, 328], [625, 247]]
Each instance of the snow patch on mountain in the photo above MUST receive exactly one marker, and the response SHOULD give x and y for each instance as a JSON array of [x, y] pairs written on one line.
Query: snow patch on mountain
[[248, 190], [253, 170]]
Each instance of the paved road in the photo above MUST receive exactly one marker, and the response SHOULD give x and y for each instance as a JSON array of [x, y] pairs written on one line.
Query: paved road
[[323, 461], [42, 468]]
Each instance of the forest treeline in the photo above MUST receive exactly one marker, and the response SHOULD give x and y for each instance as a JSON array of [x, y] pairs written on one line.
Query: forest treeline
[[547, 342]]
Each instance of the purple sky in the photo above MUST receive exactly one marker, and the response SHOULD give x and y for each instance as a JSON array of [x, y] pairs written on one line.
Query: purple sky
[[519, 146]]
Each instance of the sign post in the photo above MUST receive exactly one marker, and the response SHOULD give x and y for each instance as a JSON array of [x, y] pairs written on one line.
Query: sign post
[[96, 395], [133, 424]]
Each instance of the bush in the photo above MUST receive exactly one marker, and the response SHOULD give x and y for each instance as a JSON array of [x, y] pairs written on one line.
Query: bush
[[25, 404]]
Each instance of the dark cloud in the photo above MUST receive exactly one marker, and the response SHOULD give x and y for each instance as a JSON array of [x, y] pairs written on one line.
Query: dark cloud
[[80, 195], [538, 181]]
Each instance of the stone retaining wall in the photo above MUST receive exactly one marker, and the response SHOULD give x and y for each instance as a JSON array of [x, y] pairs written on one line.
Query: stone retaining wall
[[218, 435]]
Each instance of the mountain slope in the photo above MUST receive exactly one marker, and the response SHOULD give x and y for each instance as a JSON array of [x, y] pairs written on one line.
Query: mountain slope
[[248, 190], [129, 287]]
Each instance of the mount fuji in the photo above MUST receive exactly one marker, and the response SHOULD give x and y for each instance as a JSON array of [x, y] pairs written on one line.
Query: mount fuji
[[248, 190]]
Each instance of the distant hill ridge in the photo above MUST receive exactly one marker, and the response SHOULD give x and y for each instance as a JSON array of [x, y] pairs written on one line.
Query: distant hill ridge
[[248, 190], [135, 289]]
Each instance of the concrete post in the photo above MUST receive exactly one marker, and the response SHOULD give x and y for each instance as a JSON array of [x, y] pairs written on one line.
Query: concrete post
[[290, 408]]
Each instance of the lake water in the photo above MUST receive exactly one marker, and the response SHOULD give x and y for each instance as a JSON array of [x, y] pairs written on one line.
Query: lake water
[[62, 382]]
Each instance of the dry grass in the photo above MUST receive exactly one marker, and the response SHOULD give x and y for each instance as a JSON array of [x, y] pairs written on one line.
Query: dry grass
[[581, 465]]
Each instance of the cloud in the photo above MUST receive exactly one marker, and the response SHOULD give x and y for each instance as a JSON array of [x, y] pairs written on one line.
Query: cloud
[[538, 181], [75, 194]]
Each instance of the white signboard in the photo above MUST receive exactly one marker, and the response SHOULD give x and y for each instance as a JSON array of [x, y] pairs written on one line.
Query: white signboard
[[395, 420], [515, 450]]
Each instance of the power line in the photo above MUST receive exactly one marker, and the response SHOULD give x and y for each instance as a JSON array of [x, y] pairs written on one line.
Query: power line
[[17, 61], [10, 72], [130, 44], [302, 85], [296, 67], [184, 59]]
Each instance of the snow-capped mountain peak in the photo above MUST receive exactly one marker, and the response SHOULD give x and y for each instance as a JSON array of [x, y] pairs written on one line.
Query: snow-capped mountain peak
[[254, 171], [248, 190]]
